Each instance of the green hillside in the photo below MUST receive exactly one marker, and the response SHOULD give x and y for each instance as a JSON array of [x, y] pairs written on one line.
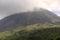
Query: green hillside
[[33, 32]]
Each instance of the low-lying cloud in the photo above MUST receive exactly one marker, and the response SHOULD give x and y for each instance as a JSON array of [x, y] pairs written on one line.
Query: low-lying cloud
[[8, 7]]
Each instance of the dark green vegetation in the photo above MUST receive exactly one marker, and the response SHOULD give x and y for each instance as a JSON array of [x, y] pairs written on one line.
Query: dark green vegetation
[[33, 32]]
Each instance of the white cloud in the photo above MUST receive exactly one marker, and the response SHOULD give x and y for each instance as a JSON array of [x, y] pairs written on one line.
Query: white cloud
[[48, 4]]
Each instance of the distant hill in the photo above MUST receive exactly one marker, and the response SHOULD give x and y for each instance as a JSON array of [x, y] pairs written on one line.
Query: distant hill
[[28, 18]]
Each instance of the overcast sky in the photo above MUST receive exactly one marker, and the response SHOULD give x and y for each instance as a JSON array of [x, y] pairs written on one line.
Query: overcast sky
[[8, 7]]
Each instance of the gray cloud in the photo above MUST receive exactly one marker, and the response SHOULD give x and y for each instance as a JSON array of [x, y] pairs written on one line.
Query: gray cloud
[[8, 7]]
